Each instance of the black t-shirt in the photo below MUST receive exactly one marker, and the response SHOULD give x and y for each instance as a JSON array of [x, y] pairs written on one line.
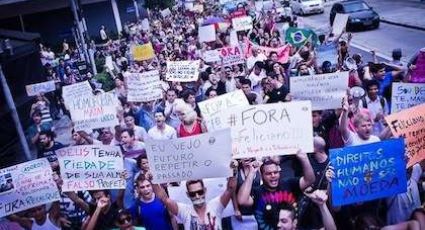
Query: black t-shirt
[[105, 220], [267, 202], [50, 153], [278, 94]]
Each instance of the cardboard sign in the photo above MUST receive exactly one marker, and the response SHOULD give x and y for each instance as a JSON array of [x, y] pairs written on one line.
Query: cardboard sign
[[91, 167], [81, 89], [143, 52], [109, 62], [368, 172], [206, 33], [231, 56], [182, 71], [339, 24], [268, 129], [418, 74], [406, 95], [282, 52], [165, 12], [202, 156], [43, 87], [143, 87], [234, 41], [325, 91], [212, 107], [26, 185], [410, 124], [145, 24], [211, 56], [242, 23], [93, 112], [327, 52]]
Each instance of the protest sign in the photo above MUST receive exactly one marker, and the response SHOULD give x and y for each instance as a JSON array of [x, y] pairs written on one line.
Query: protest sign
[[258, 6], [165, 12], [368, 172], [91, 167], [242, 23], [202, 156], [214, 106], [198, 8], [282, 52], [182, 71], [143, 52], [410, 124], [339, 24], [211, 55], [143, 87], [268, 129], [145, 24], [26, 185], [43, 87], [327, 52], [234, 38], [80, 89], [325, 91], [216, 187], [418, 74], [92, 112], [206, 33], [223, 2], [406, 95], [231, 56], [108, 63], [188, 6]]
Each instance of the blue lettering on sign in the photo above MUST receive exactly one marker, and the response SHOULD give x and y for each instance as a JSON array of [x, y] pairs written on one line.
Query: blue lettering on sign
[[368, 172]]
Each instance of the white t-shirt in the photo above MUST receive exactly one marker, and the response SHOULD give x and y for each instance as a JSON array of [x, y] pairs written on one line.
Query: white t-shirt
[[354, 140], [167, 134], [140, 133], [190, 218], [250, 62]]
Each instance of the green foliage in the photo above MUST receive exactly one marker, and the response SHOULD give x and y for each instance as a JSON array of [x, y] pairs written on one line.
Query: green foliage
[[161, 4], [106, 80]]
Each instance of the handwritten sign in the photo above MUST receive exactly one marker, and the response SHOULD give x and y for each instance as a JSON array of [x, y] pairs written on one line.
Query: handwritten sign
[[26, 185], [203, 156], [94, 112], [368, 172], [339, 24], [43, 87], [142, 87], [211, 56], [81, 89], [212, 107], [231, 56], [182, 71], [143, 52], [325, 91], [410, 124], [418, 74], [91, 167], [269, 129], [242, 23], [406, 95], [327, 52], [206, 33]]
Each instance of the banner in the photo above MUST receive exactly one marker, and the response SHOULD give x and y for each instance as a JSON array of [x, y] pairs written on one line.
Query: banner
[[211, 55], [368, 172], [143, 87], [282, 52], [143, 52], [80, 89], [26, 185], [339, 24], [182, 71], [418, 74], [325, 91], [410, 124], [268, 129], [242, 23], [298, 37], [216, 105], [406, 95], [93, 112], [91, 167], [206, 33], [327, 52], [42, 87], [231, 56], [202, 156]]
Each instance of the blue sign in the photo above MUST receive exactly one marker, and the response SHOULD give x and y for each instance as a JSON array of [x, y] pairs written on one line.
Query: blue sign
[[327, 52], [368, 172]]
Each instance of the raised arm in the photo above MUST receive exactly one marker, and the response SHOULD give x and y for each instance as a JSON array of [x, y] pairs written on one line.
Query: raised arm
[[244, 194], [78, 201], [230, 190], [343, 120], [23, 221], [308, 177], [319, 197], [169, 203]]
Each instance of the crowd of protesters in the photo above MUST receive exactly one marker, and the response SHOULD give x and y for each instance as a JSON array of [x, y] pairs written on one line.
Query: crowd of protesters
[[280, 192]]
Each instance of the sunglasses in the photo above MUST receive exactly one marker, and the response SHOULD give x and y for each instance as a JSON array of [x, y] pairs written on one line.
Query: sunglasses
[[124, 220], [199, 192]]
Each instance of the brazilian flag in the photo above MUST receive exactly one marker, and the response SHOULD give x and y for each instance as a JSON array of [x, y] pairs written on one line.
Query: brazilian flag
[[298, 37]]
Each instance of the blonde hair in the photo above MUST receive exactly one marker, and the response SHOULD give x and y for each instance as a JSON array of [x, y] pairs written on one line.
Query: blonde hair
[[190, 114], [361, 117]]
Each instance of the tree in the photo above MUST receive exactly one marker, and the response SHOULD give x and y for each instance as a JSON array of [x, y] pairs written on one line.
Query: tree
[[161, 4]]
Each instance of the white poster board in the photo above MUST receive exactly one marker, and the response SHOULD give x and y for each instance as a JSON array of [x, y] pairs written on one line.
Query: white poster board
[[91, 167], [165, 12], [212, 107], [145, 24], [234, 38], [80, 89], [269, 129], [93, 112], [325, 91], [42, 87], [339, 24], [196, 157], [406, 95], [242, 23], [26, 185], [211, 56], [206, 33], [182, 71], [231, 56], [143, 87], [109, 62]]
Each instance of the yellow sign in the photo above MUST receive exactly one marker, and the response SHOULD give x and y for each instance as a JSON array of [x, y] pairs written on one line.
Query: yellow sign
[[143, 52]]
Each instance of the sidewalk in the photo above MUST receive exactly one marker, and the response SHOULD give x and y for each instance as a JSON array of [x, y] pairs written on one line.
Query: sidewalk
[[407, 13]]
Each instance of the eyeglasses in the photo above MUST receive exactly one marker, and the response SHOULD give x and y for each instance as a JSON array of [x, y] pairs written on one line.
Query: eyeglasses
[[124, 220], [199, 192]]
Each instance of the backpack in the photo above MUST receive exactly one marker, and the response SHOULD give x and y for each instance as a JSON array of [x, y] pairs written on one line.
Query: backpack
[[381, 101]]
